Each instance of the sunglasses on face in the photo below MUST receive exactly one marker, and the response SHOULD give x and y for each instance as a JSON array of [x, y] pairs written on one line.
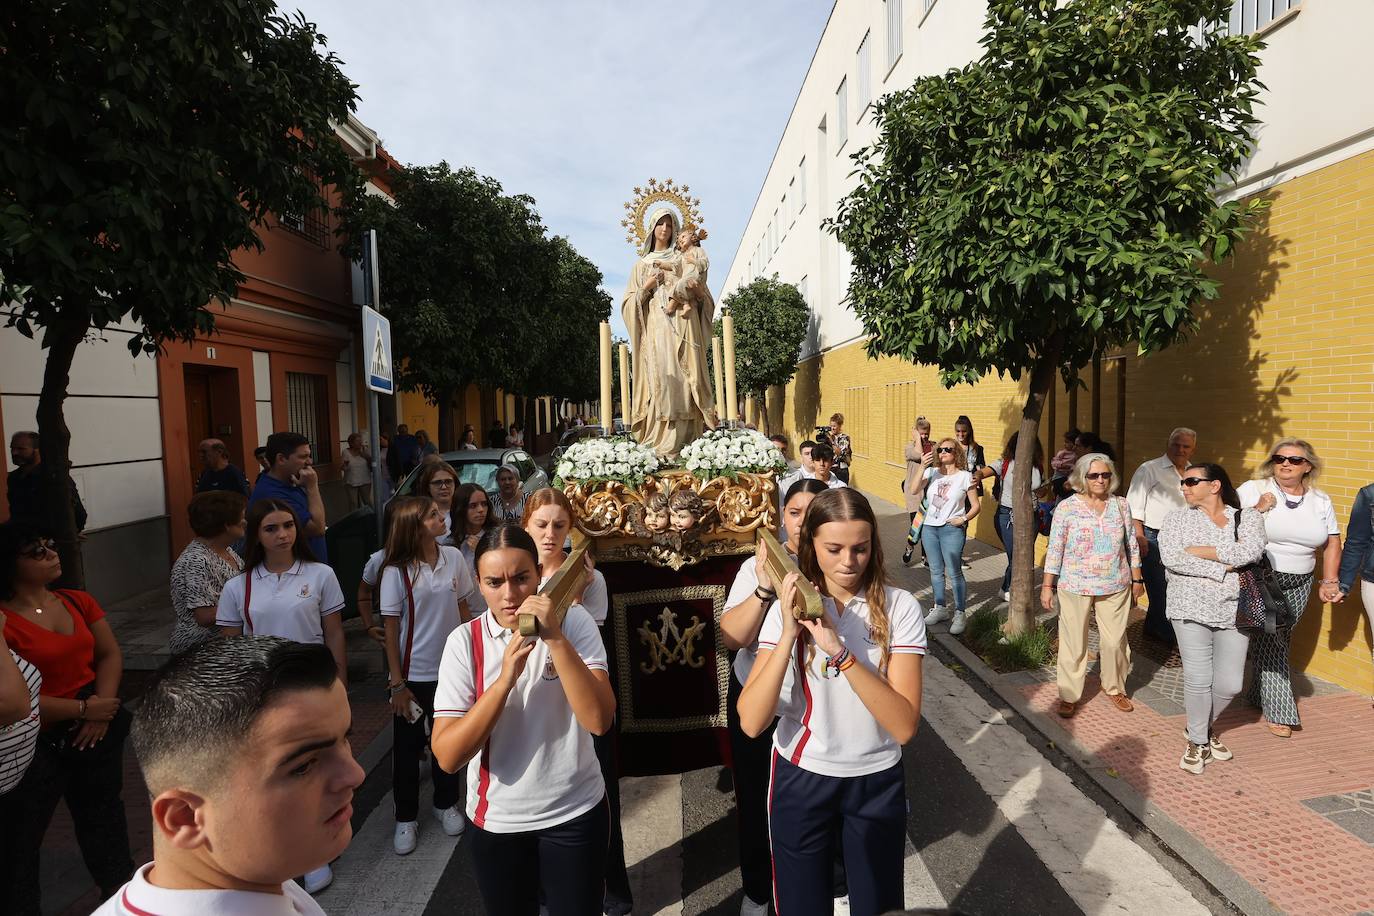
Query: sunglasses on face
[[1098, 475], [440, 483], [1193, 481], [1291, 459], [39, 549], [945, 449]]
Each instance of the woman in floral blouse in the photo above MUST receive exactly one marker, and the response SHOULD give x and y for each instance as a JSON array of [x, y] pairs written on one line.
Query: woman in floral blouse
[[1201, 547], [199, 574], [1095, 564]]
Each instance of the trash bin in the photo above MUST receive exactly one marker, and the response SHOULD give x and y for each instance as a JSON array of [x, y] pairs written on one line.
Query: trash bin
[[351, 540]]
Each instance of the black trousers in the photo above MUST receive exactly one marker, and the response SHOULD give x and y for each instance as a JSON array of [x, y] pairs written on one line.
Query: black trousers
[[91, 782], [407, 743], [803, 811], [569, 860], [751, 764], [618, 899]]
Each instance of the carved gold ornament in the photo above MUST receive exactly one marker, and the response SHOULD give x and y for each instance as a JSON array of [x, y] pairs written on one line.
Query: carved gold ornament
[[668, 192], [618, 516]]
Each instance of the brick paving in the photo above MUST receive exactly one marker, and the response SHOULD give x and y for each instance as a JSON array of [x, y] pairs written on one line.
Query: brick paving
[[1293, 817]]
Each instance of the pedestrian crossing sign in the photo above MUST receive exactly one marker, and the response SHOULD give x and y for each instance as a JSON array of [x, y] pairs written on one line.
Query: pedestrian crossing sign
[[377, 352]]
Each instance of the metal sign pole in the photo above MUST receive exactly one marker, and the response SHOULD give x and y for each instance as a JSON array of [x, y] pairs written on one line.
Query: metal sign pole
[[372, 298]]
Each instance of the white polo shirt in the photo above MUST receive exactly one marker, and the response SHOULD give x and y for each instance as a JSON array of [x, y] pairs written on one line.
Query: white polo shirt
[[139, 898], [538, 768], [436, 591], [742, 589], [595, 601], [823, 726], [292, 605], [372, 569], [1294, 535], [1155, 492], [476, 602]]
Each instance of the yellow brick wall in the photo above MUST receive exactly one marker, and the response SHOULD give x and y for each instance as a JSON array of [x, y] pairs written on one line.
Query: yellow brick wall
[[1287, 350]]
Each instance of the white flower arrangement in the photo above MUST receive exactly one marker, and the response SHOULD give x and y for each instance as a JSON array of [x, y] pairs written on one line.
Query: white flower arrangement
[[730, 452], [617, 458]]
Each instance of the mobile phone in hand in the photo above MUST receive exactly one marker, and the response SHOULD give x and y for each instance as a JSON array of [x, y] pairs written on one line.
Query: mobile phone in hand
[[414, 712]]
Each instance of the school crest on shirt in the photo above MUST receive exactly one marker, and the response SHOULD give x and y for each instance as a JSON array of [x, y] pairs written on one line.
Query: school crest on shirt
[[871, 637], [550, 672], [305, 590]]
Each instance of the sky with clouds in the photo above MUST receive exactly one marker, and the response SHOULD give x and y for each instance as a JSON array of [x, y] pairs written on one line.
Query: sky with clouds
[[576, 103]]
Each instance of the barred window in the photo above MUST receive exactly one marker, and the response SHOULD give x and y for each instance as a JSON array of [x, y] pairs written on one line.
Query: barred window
[[894, 31], [307, 413]]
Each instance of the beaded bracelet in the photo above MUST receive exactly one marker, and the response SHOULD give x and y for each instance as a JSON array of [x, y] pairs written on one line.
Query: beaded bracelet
[[837, 663]]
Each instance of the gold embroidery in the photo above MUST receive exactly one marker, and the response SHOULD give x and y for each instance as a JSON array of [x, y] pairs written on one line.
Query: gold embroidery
[[670, 644]]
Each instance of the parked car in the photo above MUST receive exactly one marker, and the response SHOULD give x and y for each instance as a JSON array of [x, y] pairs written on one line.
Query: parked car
[[480, 466], [565, 441]]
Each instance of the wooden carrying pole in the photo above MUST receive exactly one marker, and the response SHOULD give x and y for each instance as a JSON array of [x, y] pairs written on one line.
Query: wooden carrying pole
[[807, 604], [562, 586]]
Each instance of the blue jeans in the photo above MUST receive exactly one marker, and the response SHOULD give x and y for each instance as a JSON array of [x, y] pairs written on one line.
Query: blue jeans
[[1003, 521], [1156, 588], [944, 546]]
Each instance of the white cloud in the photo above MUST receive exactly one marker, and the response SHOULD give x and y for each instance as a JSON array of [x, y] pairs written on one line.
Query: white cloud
[[577, 103]]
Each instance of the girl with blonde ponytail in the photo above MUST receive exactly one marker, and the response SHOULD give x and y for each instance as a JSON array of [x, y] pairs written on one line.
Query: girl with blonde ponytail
[[847, 693]]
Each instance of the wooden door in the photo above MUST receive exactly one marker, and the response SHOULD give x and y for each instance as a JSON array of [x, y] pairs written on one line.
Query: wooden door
[[198, 414]]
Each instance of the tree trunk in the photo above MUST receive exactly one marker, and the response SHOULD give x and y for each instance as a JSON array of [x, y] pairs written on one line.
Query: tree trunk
[[59, 516], [444, 435], [1021, 614]]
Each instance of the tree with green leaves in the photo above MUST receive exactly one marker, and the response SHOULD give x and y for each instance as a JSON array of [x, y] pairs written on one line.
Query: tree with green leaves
[[145, 143], [1053, 200], [770, 324], [477, 293]]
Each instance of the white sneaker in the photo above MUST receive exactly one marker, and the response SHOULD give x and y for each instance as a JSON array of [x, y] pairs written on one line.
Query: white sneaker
[[1006, 596], [937, 614], [318, 879], [749, 907], [452, 819], [842, 905], [406, 838], [956, 626]]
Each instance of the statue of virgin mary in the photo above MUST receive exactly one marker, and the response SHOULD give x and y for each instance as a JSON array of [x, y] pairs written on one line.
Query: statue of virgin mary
[[672, 402]]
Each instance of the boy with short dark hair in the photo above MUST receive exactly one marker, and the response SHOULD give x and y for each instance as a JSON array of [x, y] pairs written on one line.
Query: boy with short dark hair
[[244, 747]]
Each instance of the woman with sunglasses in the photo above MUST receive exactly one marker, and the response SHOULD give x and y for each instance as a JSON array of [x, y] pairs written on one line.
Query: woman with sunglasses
[[439, 482], [1299, 521], [1094, 561], [80, 753], [951, 502], [1201, 546]]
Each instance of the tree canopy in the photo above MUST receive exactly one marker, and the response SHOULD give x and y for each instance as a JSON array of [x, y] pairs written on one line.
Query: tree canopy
[[143, 144], [476, 292], [770, 324], [1053, 199]]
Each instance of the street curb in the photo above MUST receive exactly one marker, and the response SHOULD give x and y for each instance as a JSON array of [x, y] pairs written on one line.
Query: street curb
[[1241, 893]]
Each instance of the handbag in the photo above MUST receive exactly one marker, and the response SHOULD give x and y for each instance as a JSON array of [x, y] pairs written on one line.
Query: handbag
[[1261, 604]]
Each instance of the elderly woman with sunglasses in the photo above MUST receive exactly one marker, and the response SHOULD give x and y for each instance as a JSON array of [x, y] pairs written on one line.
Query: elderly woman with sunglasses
[[1299, 521], [1094, 561], [80, 753], [1201, 546]]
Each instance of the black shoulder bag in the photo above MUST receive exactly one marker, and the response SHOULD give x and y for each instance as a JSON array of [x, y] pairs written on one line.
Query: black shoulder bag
[[1262, 605]]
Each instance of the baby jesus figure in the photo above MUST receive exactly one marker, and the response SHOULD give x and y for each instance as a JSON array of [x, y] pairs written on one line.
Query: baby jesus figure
[[689, 272]]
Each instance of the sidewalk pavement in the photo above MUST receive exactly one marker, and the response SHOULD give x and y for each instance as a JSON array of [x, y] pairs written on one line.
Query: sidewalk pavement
[[1287, 826], [142, 626]]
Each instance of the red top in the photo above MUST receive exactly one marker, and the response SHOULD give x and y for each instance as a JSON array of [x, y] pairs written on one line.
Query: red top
[[67, 662]]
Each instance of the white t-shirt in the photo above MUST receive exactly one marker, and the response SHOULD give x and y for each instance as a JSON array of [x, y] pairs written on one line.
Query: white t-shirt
[[595, 601], [19, 740], [742, 589], [945, 495], [139, 898], [1294, 535], [476, 602], [1007, 495], [538, 768], [823, 726], [437, 590], [357, 468], [292, 605]]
